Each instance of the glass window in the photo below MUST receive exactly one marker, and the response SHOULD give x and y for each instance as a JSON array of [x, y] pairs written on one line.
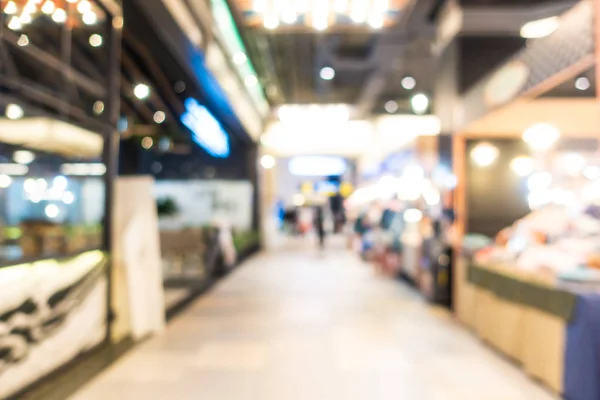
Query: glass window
[[51, 204]]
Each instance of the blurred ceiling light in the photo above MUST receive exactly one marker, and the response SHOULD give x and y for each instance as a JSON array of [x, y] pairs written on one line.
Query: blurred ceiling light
[[298, 200], [30, 7], [413, 215], [15, 24], [360, 10], [96, 40], [484, 154], [141, 91], [592, 172], [413, 173], [25, 18], [14, 111], [48, 7], [522, 166], [23, 157], [267, 161], [540, 28], [23, 40], [381, 5], [376, 20], [289, 16], [98, 107], [259, 6], [563, 197], [14, 169], [432, 196], [391, 106], [317, 166], [5, 181], [320, 15], [301, 6], [68, 198], [239, 58], [60, 182], [327, 73], [573, 163], [341, 6], [10, 8], [52, 211], [419, 103], [539, 198], [320, 24], [159, 117], [539, 181], [82, 169], [582, 83], [59, 16], [84, 6], [541, 137], [408, 83], [147, 142], [251, 80], [271, 21], [89, 18]]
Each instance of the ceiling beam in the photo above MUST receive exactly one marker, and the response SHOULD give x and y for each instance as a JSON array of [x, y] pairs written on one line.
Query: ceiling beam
[[501, 20]]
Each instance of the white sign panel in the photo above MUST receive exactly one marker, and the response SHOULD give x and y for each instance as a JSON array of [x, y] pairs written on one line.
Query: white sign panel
[[200, 203]]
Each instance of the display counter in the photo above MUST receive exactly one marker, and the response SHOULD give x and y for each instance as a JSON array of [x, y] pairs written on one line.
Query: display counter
[[550, 328], [50, 312]]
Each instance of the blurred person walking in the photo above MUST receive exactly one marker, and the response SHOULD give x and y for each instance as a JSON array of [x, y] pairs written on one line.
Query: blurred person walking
[[320, 226]]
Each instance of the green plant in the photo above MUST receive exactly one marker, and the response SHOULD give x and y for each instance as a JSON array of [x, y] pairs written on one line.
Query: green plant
[[166, 207]]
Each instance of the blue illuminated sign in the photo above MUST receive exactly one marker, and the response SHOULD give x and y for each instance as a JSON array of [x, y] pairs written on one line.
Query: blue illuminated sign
[[206, 130]]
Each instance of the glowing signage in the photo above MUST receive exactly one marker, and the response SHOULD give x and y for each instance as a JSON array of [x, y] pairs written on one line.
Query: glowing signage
[[206, 130], [317, 166]]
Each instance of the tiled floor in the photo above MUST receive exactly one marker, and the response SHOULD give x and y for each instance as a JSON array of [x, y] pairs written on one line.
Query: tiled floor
[[297, 324]]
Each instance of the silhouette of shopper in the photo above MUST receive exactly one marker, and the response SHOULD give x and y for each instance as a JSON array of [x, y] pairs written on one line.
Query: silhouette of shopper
[[319, 226]]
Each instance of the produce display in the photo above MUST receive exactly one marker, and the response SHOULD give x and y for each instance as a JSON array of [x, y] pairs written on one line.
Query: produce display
[[555, 239]]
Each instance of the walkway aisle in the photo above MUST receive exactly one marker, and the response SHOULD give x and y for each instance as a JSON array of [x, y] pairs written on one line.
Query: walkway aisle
[[296, 325]]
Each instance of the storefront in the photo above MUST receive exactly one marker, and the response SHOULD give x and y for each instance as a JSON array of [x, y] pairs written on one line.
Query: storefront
[[526, 157], [59, 100]]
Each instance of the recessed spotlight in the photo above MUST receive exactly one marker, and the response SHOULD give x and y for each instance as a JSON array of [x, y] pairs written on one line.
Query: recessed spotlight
[[147, 142], [239, 57], [419, 103], [376, 21], [23, 157], [14, 111], [540, 28], [52, 211], [582, 83], [289, 16], [59, 16], [98, 107], [271, 22], [15, 24], [408, 83], [391, 106], [159, 117], [268, 162], [96, 40], [25, 18], [327, 73], [23, 40], [141, 91], [89, 18], [84, 6], [10, 8], [48, 7]]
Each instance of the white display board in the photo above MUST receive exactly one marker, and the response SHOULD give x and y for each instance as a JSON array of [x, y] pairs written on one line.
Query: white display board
[[202, 202], [138, 294]]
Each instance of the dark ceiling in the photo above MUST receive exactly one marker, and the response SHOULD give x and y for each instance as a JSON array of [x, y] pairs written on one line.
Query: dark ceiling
[[288, 61]]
